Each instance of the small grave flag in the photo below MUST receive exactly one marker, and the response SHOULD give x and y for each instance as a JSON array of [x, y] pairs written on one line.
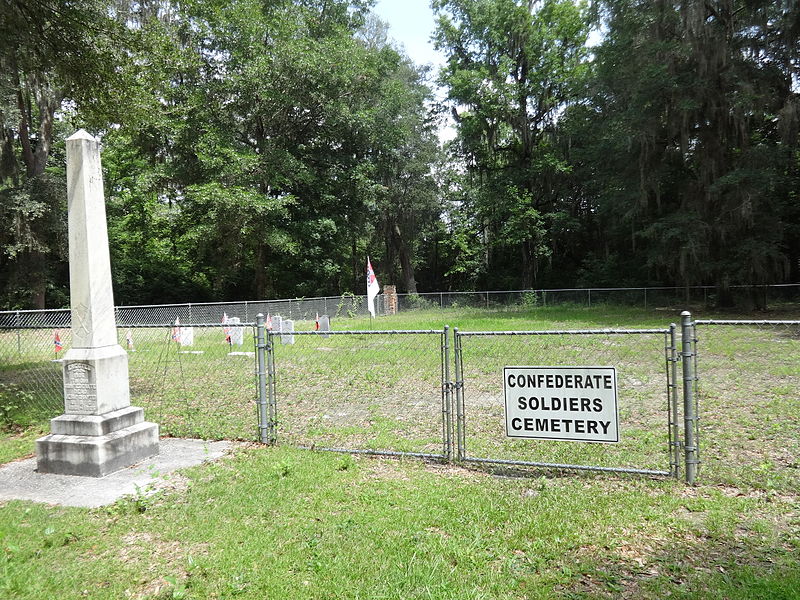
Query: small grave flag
[[176, 330], [316, 323], [372, 288], [129, 340], [57, 341], [225, 329], [269, 322]]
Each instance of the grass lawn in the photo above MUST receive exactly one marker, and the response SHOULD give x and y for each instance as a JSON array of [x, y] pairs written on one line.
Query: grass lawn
[[288, 523]]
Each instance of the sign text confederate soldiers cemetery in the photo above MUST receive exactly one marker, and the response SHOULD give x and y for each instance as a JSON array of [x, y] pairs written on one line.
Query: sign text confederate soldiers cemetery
[[561, 403]]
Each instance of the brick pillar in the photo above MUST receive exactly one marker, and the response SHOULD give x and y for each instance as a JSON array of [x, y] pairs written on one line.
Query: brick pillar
[[390, 299]]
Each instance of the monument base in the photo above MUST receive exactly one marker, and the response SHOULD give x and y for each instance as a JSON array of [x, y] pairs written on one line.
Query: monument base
[[96, 445], [95, 380]]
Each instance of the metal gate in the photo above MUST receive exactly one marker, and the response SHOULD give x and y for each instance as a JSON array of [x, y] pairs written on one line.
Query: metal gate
[[748, 381], [646, 362], [371, 392]]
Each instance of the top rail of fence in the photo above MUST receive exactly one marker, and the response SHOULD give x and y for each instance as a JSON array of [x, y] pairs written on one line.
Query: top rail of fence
[[568, 332], [359, 332], [743, 322], [201, 325]]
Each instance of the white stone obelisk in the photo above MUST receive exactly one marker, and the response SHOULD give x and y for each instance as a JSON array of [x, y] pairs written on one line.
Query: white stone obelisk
[[99, 432]]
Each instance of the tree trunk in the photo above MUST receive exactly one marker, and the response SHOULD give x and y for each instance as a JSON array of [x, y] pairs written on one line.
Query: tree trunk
[[406, 266], [528, 266], [409, 280], [724, 296], [31, 89], [33, 271], [261, 272]]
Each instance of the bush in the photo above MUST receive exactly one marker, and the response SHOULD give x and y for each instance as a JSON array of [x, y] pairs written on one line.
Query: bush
[[12, 399]]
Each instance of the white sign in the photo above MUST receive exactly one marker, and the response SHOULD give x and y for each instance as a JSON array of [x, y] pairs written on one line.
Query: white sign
[[561, 403]]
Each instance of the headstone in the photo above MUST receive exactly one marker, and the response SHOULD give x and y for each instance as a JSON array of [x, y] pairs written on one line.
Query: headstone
[[237, 333], [277, 323], [287, 329], [99, 432], [187, 336], [324, 325]]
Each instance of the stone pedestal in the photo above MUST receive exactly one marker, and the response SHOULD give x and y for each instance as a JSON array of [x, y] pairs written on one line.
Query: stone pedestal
[[99, 432], [95, 380], [96, 445]]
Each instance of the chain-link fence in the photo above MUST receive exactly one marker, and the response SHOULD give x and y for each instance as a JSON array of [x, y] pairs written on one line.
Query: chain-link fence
[[349, 306], [411, 392], [382, 392], [647, 411], [195, 381], [31, 385], [748, 394], [644, 297]]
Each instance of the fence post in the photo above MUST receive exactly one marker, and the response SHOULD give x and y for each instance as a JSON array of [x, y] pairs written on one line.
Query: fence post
[[271, 395], [263, 420], [689, 413], [447, 395], [19, 341], [459, 396], [675, 434]]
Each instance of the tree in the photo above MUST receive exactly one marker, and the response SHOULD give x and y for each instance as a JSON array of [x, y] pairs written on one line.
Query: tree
[[513, 67], [51, 52], [405, 152], [275, 137], [699, 130]]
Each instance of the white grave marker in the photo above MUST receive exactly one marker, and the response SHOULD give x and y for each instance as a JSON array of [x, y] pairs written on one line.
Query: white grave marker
[[324, 325], [186, 336], [237, 333], [287, 329]]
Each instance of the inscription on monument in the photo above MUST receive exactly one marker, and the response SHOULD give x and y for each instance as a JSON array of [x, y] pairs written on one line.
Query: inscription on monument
[[80, 389]]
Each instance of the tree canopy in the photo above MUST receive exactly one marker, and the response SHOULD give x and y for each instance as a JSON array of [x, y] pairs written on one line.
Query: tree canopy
[[262, 148]]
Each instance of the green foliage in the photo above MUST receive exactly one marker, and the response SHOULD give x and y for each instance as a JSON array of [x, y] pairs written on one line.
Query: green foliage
[[12, 398], [262, 149], [349, 305], [511, 70], [530, 300], [698, 128], [417, 302]]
